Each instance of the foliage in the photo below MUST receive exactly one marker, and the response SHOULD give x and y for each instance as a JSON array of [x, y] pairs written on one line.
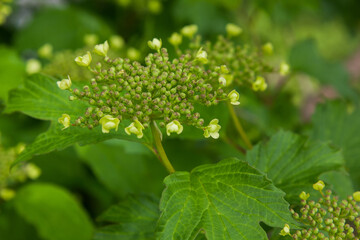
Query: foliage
[[205, 119]]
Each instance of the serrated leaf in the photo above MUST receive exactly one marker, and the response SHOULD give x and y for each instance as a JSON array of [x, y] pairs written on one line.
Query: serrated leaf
[[41, 98], [332, 122], [57, 139], [292, 162], [226, 200], [132, 219], [54, 212]]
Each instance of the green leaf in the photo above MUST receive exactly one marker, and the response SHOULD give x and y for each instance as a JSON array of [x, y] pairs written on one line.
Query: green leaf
[[57, 139], [41, 98], [64, 28], [124, 166], [54, 212], [226, 200], [292, 162], [332, 122], [12, 71], [132, 219], [305, 57]]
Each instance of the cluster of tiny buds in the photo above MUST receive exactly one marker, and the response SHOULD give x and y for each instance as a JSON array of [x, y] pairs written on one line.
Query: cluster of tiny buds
[[328, 218], [246, 66], [160, 90]]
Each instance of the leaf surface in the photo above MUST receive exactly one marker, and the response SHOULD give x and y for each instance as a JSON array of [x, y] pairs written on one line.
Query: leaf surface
[[292, 162], [332, 122], [54, 212], [226, 200], [132, 219]]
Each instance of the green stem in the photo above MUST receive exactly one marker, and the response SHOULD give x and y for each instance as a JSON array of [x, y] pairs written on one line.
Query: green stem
[[239, 127], [160, 150]]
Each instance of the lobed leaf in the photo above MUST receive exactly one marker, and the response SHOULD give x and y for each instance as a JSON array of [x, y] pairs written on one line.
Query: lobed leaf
[[226, 200], [292, 162], [132, 219], [41, 98], [332, 122]]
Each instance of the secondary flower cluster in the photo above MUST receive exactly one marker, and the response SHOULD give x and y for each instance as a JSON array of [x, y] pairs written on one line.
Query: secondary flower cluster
[[245, 65], [329, 218], [162, 90], [20, 173]]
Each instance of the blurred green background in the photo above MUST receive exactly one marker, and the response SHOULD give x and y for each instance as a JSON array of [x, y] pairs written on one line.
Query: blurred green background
[[319, 39]]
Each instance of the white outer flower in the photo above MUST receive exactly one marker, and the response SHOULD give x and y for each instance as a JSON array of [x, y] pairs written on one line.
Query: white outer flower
[[222, 81], [135, 128], [174, 126], [234, 97], [201, 56], [108, 122], [212, 129], [84, 61], [155, 44], [102, 49], [64, 84], [64, 120]]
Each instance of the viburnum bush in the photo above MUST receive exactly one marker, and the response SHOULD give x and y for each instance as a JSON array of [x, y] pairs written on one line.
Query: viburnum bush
[[183, 136]]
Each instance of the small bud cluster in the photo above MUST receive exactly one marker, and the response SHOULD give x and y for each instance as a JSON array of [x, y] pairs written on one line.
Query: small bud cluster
[[18, 174], [329, 218], [163, 90], [5, 10], [245, 65]]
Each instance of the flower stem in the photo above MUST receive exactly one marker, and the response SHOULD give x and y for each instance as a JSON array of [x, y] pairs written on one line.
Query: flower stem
[[160, 150], [239, 127]]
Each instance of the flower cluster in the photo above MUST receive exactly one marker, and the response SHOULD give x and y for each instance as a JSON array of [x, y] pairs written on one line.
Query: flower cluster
[[162, 90], [245, 65], [19, 173], [329, 218], [5, 10]]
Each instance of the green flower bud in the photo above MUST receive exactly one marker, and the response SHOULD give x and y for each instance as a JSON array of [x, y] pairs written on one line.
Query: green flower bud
[[189, 30], [319, 185], [116, 42], [233, 30], [268, 48], [284, 69], [91, 39], [45, 51], [33, 66], [175, 39], [7, 194], [201, 56], [259, 84]]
